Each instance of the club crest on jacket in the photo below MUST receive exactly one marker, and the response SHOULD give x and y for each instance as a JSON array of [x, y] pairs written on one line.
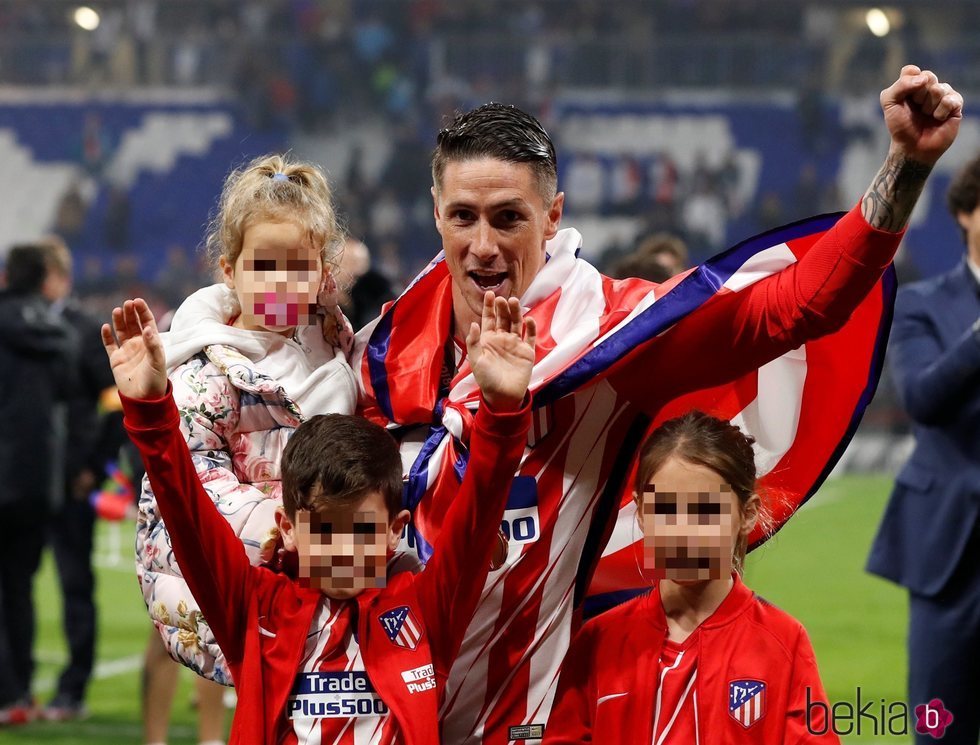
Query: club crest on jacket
[[401, 627]]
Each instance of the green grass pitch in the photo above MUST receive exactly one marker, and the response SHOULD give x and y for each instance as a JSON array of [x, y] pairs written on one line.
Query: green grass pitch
[[813, 569]]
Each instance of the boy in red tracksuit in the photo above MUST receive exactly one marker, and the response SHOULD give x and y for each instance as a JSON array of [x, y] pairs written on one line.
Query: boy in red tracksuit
[[701, 658], [341, 653]]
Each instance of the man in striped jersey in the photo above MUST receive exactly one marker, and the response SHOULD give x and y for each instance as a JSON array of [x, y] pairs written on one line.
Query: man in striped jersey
[[613, 359]]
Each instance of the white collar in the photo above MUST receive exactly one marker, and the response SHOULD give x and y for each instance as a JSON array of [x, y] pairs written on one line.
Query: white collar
[[202, 320]]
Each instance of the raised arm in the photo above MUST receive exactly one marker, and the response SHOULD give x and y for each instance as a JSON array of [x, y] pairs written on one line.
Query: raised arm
[[736, 332], [501, 353], [215, 565], [923, 117]]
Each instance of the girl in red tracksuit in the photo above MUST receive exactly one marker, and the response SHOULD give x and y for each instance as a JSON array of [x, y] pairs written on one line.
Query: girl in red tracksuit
[[701, 659]]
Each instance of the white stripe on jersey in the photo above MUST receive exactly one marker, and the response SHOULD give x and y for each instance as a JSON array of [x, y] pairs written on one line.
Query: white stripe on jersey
[[660, 687], [468, 700], [680, 705], [697, 724], [466, 688], [320, 630], [572, 526]]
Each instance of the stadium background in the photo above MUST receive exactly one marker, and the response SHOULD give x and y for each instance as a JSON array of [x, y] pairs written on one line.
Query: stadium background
[[713, 119]]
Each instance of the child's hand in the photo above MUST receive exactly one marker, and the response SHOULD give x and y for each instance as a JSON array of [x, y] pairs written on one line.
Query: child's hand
[[501, 352], [136, 354]]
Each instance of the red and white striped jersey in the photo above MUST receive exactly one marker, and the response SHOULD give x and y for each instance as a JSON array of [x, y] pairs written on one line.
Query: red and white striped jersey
[[333, 701], [614, 358], [514, 644]]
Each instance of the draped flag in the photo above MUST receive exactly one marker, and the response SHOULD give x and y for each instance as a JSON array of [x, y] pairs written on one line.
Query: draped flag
[[608, 369], [802, 408]]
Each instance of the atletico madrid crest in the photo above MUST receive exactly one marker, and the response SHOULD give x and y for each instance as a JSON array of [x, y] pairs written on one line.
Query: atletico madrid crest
[[401, 627], [747, 701]]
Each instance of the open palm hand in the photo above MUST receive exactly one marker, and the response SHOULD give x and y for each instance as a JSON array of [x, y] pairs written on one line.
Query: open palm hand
[[501, 351], [135, 351]]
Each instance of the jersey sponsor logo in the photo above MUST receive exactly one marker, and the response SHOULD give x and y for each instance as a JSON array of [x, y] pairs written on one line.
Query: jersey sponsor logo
[[747, 701], [520, 526], [401, 627], [526, 732], [521, 523], [420, 679], [334, 696]]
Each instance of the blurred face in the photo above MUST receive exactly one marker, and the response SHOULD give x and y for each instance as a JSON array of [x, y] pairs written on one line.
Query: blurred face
[[343, 551], [670, 262], [276, 277], [494, 223], [57, 285], [691, 520]]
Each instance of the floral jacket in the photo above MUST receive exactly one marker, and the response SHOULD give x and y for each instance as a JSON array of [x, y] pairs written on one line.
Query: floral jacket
[[236, 421]]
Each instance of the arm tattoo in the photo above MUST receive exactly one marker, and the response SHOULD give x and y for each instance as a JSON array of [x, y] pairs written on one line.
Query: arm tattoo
[[889, 200]]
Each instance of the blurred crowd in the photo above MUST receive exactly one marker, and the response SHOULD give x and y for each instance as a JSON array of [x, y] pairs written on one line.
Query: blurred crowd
[[308, 55], [329, 68], [314, 63]]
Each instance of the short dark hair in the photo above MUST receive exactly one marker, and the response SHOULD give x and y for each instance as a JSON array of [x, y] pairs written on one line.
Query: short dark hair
[[27, 267], [964, 191], [337, 459], [498, 131]]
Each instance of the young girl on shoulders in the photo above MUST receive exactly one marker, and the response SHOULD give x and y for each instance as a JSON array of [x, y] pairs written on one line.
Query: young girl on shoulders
[[249, 359]]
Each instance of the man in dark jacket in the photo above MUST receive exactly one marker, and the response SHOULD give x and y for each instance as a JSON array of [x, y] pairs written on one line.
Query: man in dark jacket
[[72, 527], [929, 539], [37, 356]]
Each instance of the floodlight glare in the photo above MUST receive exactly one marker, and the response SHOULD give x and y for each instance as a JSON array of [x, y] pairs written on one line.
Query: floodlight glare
[[87, 18], [878, 22]]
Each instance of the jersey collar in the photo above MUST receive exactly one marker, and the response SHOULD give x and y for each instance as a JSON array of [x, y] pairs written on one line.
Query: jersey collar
[[731, 607]]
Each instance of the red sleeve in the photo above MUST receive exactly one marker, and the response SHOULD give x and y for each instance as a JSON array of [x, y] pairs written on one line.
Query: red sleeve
[[216, 567], [450, 586], [808, 711], [737, 332], [572, 714]]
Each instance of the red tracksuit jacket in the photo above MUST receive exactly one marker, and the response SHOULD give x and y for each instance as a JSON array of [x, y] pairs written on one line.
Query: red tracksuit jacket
[[745, 639], [264, 655]]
